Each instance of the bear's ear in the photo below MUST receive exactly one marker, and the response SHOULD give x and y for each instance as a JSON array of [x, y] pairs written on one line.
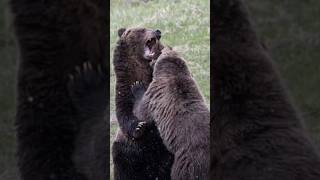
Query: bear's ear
[[121, 31], [158, 34]]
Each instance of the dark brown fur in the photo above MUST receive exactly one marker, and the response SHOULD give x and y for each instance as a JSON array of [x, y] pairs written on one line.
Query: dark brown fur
[[174, 102], [130, 66], [256, 132], [138, 151], [53, 37]]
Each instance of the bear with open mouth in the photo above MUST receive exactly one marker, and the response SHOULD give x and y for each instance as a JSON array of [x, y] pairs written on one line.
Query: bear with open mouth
[[138, 151], [173, 100]]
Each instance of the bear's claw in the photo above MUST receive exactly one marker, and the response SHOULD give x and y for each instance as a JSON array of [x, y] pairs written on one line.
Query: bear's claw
[[137, 89]]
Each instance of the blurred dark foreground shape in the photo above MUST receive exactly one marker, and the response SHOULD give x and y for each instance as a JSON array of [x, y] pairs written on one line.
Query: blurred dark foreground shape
[[257, 133], [59, 137]]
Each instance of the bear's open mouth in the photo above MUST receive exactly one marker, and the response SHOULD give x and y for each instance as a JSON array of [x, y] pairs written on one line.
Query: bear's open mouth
[[149, 48]]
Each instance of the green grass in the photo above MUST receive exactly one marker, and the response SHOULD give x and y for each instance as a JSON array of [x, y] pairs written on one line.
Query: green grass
[[184, 25]]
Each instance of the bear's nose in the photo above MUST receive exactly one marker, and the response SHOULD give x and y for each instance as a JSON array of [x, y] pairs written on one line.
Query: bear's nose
[[158, 34]]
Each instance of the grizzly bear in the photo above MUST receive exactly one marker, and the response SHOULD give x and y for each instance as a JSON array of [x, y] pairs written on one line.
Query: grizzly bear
[[138, 151], [256, 132], [53, 38], [174, 102]]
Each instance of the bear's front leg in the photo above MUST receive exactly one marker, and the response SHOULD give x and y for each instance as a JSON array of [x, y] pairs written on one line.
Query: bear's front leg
[[138, 91]]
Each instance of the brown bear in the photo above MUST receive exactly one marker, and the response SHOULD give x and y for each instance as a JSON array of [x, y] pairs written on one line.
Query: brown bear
[[53, 127], [256, 132], [138, 151], [175, 103]]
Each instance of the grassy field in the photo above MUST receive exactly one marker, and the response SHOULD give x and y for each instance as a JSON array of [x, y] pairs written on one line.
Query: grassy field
[[184, 26]]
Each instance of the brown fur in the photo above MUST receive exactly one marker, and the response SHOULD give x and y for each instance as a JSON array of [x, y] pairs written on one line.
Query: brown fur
[[138, 153], [130, 66], [53, 37], [256, 133], [174, 101]]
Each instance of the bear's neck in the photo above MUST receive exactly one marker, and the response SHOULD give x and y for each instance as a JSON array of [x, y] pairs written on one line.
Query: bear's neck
[[140, 70]]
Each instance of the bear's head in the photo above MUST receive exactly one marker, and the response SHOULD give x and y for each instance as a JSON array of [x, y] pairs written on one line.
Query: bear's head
[[142, 43], [170, 64]]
